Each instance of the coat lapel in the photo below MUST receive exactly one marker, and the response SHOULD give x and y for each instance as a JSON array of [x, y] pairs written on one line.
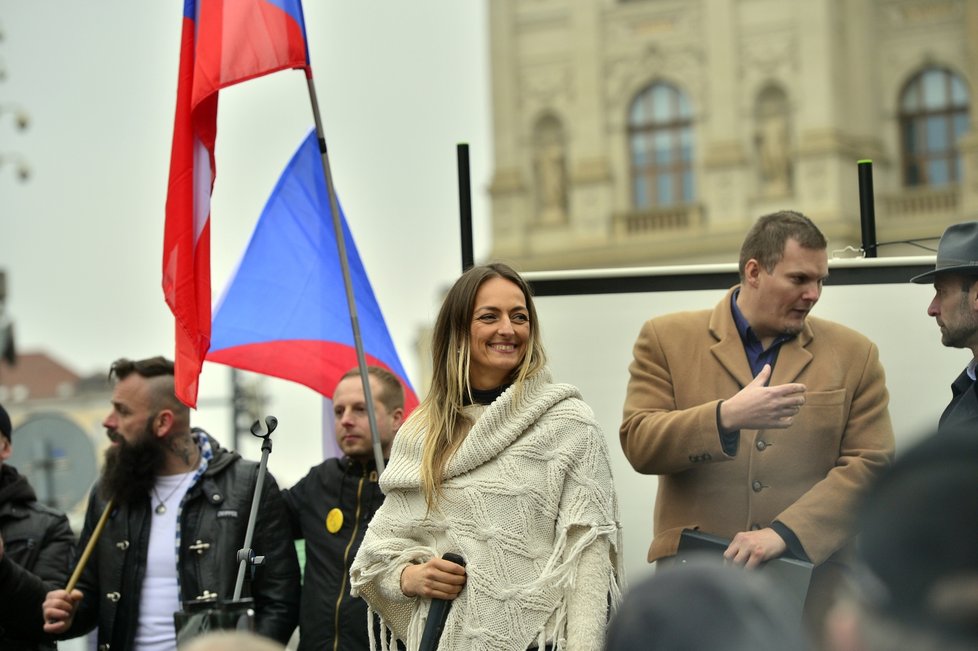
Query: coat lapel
[[729, 349], [793, 357]]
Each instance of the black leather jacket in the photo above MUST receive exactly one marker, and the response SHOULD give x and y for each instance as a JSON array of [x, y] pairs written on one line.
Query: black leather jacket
[[330, 619], [37, 545], [212, 530]]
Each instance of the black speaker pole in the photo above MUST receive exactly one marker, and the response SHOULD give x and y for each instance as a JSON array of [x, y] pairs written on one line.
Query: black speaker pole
[[465, 206], [867, 211]]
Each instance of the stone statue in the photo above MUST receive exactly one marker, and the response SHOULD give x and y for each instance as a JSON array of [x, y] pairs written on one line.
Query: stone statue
[[552, 183], [772, 149]]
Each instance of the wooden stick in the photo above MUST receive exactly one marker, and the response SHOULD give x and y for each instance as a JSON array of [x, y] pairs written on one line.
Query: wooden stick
[[96, 534]]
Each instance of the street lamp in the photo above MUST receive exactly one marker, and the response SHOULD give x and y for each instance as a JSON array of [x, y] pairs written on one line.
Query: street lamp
[[21, 166], [21, 117]]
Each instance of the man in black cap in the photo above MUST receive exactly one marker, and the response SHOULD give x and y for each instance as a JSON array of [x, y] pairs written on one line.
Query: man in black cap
[[955, 306], [35, 545], [918, 550]]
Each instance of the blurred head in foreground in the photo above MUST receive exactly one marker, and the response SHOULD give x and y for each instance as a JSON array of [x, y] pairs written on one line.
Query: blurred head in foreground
[[705, 605], [916, 587], [231, 641]]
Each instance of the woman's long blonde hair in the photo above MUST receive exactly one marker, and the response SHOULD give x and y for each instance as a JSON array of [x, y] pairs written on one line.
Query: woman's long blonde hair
[[440, 412]]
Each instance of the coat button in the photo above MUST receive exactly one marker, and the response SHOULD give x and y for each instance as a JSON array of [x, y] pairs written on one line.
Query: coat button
[[757, 486], [113, 596], [123, 545], [760, 445], [200, 547], [216, 497]]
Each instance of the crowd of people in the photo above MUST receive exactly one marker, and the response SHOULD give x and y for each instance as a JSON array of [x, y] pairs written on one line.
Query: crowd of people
[[494, 523]]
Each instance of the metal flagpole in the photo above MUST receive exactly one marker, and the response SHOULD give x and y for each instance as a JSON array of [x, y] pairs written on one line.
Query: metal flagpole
[[345, 266]]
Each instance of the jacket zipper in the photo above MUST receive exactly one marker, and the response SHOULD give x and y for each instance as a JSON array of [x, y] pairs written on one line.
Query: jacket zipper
[[346, 555]]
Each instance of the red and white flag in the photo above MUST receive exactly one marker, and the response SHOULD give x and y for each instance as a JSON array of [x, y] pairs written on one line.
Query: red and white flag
[[223, 42]]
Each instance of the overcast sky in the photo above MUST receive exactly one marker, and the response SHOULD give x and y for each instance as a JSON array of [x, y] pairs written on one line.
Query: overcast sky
[[399, 84]]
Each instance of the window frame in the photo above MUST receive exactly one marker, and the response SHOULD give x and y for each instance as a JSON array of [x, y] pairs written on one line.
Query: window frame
[[643, 131], [917, 115]]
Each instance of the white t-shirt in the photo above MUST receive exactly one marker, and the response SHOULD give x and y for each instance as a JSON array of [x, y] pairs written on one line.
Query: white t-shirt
[[160, 596]]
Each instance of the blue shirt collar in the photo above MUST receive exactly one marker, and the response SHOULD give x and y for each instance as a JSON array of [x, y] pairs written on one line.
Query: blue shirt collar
[[757, 357]]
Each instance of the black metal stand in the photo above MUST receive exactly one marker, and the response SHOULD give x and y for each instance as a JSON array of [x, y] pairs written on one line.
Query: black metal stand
[[246, 555]]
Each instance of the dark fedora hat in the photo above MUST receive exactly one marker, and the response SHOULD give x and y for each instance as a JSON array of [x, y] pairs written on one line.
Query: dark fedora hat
[[957, 252]]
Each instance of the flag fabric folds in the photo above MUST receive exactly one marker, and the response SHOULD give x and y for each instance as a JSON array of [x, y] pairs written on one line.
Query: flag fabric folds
[[223, 42], [285, 312]]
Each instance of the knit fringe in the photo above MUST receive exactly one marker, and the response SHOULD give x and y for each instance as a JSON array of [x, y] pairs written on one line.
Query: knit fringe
[[560, 570], [387, 637]]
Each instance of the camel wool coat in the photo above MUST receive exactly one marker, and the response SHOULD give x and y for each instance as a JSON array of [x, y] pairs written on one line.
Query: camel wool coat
[[808, 477]]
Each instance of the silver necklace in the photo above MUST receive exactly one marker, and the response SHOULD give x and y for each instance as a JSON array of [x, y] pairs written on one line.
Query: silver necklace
[[161, 507]]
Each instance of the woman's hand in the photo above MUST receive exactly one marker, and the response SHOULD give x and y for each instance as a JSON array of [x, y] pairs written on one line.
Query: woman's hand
[[435, 579]]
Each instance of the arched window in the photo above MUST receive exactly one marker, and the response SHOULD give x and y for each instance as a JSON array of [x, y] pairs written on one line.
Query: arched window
[[660, 139], [933, 116]]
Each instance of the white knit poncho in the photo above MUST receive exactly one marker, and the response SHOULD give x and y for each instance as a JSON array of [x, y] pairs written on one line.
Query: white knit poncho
[[528, 501]]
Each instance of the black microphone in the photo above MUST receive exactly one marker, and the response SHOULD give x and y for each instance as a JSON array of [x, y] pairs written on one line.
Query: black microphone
[[438, 613]]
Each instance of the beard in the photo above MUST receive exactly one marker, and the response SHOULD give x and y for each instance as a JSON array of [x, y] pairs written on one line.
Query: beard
[[130, 469], [961, 336], [964, 333]]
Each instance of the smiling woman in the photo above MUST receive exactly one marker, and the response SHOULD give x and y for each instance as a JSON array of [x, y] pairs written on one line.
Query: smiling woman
[[500, 328], [506, 469]]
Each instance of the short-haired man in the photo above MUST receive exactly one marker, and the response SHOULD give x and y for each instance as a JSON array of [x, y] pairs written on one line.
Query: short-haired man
[[35, 547], [180, 511], [331, 506], [955, 307], [764, 424]]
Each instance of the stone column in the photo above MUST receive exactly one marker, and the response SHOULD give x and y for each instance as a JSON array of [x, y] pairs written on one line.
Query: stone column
[[719, 120], [968, 145], [507, 191], [590, 175]]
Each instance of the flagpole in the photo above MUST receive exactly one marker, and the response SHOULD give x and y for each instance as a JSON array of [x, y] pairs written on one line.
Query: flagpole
[[347, 283]]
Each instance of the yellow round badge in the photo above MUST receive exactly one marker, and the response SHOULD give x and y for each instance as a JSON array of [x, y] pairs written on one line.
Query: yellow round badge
[[334, 520]]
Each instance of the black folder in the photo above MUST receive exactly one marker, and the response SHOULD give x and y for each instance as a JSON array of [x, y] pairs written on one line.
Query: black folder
[[791, 575]]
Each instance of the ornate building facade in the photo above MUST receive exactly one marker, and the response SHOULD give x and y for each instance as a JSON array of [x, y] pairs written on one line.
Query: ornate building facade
[[638, 132]]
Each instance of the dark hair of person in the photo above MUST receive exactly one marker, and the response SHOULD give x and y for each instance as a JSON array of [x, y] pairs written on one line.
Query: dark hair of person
[[766, 240], [159, 371]]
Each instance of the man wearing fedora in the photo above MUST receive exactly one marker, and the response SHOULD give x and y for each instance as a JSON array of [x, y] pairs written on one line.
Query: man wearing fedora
[[955, 307]]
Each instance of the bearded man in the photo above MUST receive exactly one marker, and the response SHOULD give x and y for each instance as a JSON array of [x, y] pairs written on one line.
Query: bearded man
[[955, 308], [179, 514]]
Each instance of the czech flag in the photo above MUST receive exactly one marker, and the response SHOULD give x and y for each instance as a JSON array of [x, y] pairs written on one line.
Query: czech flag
[[285, 312], [223, 42]]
